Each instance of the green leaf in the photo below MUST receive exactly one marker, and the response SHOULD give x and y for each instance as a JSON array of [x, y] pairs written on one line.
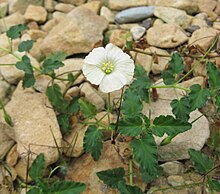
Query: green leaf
[[15, 31], [213, 75], [181, 108], [169, 125], [64, 123], [88, 109], [168, 77], [36, 170], [131, 126], [217, 102], [112, 177], [74, 105], [71, 77], [198, 96], [65, 187], [139, 71], [56, 98], [57, 56], [147, 177], [127, 189], [93, 142], [28, 80], [50, 65], [145, 153], [176, 64], [25, 45], [214, 185], [131, 105], [34, 191], [202, 163]]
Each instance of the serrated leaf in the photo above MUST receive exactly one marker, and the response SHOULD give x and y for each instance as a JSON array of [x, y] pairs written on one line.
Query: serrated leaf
[[37, 167], [145, 153], [147, 177], [50, 65], [88, 109], [25, 45], [169, 125], [65, 187], [176, 64], [168, 77], [213, 75], [139, 71], [64, 123], [15, 31], [74, 106], [56, 98], [57, 56], [198, 96], [93, 142], [181, 108], [214, 185], [112, 177], [127, 189], [201, 162], [34, 191], [131, 126], [131, 105]]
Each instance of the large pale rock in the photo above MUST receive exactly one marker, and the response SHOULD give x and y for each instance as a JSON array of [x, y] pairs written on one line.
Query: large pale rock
[[166, 36], [206, 5], [203, 37], [194, 138], [34, 124], [85, 168], [4, 89], [11, 20], [10, 73], [171, 15], [123, 4], [77, 33], [3, 9], [36, 13], [94, 6]]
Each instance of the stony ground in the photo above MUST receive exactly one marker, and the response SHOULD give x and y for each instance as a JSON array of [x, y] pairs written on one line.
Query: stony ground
[[76, 27]]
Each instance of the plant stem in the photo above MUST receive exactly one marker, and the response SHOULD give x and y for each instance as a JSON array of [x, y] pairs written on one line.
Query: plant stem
[[171, 86], [130, 172], [109, 109]]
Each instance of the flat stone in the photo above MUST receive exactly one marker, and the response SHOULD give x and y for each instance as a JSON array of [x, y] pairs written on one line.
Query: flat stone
[[77, 33], [123, 4], [107, 14], [49, 5], [175, 180], [172, 168], [34, 124], [36, 13], [134, 14], [166, 36], [74, 2], [137, 32], [63, 7]]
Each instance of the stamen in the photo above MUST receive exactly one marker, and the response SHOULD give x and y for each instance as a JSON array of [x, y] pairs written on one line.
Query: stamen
[[107, 67]]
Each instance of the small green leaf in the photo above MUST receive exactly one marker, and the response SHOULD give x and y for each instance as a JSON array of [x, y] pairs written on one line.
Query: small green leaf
[[131, 105], [112, 177], [145, 153], [202, 163], [217, 102], [36, 170], [169, 125], [198, 96], [127, 189], [131, 126], [57, 56], [49, 65], [71, 77], [214, 185], [34, 191], [93, 142], [15, 31], [74, 105], [25, 45], [64, 123], [176, 64], [181, 108], [65, 187], [167, 140], [213, 75], [88, 109], [168, 77], [28, 80]]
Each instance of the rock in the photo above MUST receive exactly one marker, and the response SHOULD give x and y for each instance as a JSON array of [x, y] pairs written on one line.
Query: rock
[[92, 96], [63, 7], [6, 139], [172, 168], [4, 9], [201, 23], [137, 32], [77, 33], [192, 28], [12, 156], [49, 5], [93, 6], [10, 73], [107, 14], [36, 34], [194, 138], [34, 124], [203, 37], [4, 89], [135, 14], [49, 25], [166, 36], [175, 180], [33, 25], [21, 5], [85, 168], [206, 5], [123, 4], [73, 142], [118, 37], [171, 15], [216, 25], [36, 13], [11, 20], [147, 23], [74, 2]]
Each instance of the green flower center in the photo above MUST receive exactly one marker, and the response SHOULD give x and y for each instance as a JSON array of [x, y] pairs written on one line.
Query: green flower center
[[107, 67]]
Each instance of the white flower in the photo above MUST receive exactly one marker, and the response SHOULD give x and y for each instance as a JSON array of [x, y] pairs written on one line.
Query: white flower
[[108, 67]]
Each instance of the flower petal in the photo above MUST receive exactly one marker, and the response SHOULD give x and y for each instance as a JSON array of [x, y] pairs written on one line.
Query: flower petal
[[93, 73], [96, 57]]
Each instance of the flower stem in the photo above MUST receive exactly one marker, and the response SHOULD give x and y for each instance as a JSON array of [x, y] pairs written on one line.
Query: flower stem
[[130, 172], [172, 86], [109, 109]]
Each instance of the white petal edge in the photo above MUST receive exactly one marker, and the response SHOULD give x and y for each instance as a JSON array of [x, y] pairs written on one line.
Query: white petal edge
[[96, 57]]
